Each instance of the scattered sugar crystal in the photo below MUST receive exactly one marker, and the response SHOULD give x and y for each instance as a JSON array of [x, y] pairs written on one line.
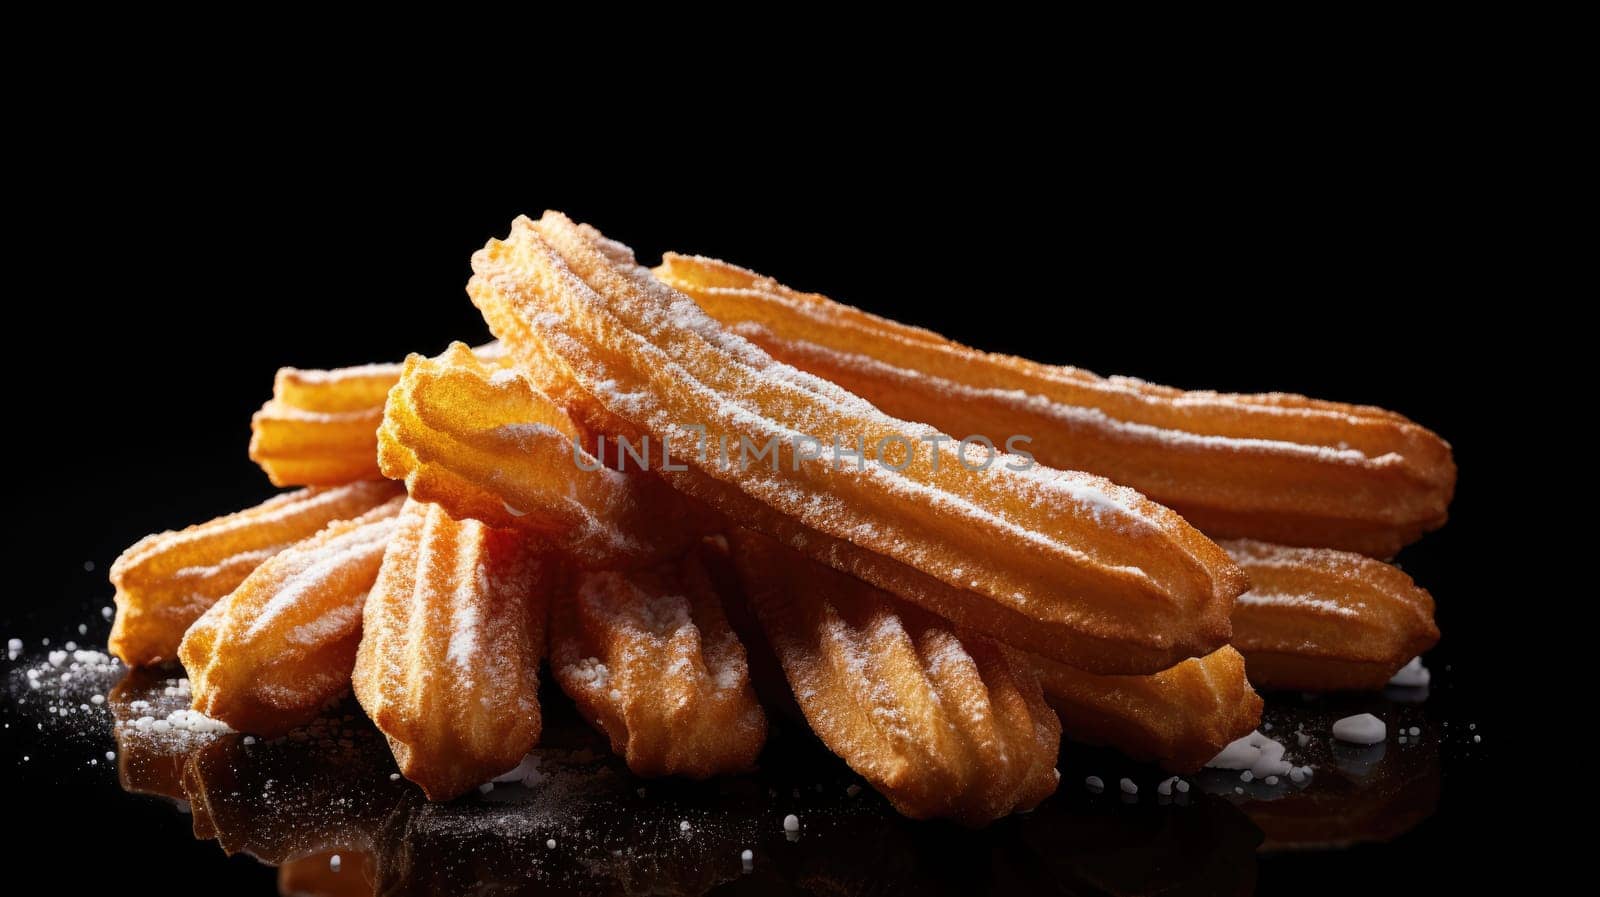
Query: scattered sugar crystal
[[1415, 731], [249, 739], [1476, 739], [1363, 728], [791, 823], [1246, 776], [683, 826], [486, 787], [853, 790], [1261, 755], [551, 844], [1412, 675], [107, 612], [334, 862], [1094, 783], [1128, 787], [394, 776], [97, 700], [111, 755], [1183, 787], [1272, 780]]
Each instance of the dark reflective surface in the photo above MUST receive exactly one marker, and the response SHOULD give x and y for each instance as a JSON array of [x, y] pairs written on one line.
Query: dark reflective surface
[[328, 791]]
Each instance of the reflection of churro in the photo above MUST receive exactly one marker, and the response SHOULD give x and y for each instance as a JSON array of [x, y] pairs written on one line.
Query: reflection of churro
[[1274, 466], [1179, 717], [144, 765], [485, 443], [166, 581], [943, 724], [1206, 848], [650, 658], [268, 656], [449, 662], [1319, 620], [330, 873], [1062, 563], [282, 802]]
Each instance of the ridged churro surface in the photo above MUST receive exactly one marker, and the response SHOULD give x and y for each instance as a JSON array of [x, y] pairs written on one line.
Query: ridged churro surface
[[452, 635], [266, 658], [1062, 562], [165, 581], [1272, 466], [942, 723], [650, 659]]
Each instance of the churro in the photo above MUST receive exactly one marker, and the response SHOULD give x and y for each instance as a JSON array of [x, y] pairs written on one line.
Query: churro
[[164, 582], [1062, 563], [320, 428], [485, 443], [1273, 466], [1179, 718], [942, 723], [266, 658], [1316, 619], [452, 635], [649, 657]]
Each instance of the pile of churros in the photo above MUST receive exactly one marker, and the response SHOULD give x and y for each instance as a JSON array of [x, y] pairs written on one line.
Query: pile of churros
[[664, 482]]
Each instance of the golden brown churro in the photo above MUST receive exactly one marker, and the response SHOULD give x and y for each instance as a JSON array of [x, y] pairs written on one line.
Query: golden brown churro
[[1062, 563], [1179, 718], [320, 428], [452, 636], [485, 443], [942, 723], [1316, 619], [166, 581], [649, 657], [1273, 466], [266, 658]]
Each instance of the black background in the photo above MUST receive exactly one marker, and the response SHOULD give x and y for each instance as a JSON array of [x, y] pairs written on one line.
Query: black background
[[1340, 252]]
